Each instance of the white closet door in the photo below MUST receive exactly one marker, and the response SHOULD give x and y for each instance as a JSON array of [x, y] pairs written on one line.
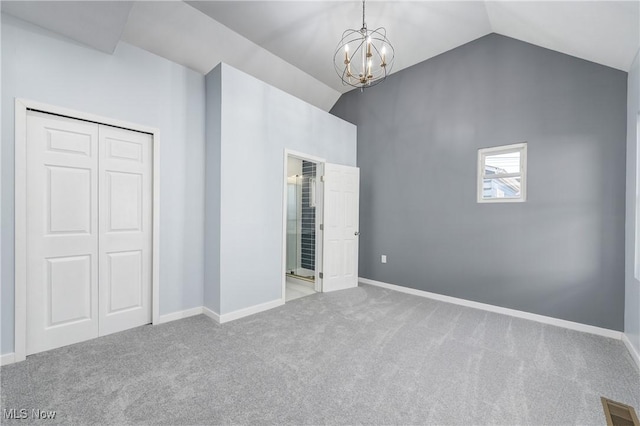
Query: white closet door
[[125, 229], [341, 224], [62, 231]]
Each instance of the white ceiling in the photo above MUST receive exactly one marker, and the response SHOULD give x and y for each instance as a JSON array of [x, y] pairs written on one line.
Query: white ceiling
[[306, 34], [98, 24], [290, 44], [184, 35], [605, 32]]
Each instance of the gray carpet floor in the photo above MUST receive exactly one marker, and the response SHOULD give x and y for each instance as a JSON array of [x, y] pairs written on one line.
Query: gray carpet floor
[[360, 356]]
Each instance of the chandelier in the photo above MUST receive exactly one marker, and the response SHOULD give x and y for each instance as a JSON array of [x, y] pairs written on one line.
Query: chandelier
[[363, 57]]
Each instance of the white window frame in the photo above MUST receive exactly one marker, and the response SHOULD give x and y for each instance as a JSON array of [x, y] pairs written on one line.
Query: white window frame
[[636, 269], [504, 149]]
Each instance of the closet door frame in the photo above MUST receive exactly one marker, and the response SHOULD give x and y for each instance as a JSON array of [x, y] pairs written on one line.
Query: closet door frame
[[20, 209]]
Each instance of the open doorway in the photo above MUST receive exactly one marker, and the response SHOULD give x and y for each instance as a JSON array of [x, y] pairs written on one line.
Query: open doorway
[[303, 202], [320, 210]]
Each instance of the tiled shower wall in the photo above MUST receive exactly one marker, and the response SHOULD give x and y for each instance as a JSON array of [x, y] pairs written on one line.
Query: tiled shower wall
[[308, 228]]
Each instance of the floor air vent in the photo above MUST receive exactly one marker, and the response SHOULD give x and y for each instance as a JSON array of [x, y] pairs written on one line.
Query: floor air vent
[[618, 414]]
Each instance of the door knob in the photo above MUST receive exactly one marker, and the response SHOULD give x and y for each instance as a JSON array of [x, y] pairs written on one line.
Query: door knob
[[356, 233]]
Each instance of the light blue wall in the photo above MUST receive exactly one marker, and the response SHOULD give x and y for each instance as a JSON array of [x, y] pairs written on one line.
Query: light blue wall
[[632, 286], [212, 190], [258, 123], [131, 85]]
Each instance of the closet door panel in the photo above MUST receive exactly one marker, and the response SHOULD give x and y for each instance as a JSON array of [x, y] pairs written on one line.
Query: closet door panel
[[125, 241], [62, 231]]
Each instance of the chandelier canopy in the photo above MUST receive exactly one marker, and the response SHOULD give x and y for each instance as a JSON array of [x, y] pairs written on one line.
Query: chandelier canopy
[[363, 57]]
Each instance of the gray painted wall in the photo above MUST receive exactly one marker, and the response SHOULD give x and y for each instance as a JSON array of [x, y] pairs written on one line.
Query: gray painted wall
[[561, 253], [131, 85], [632, 286], [258, 123], [213, 161]]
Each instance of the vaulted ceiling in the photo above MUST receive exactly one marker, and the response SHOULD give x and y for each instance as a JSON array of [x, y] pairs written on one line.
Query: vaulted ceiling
[[290, 44]]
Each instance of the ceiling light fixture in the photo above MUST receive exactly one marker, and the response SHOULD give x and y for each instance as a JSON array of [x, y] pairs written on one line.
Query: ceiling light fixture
[[363, 58]]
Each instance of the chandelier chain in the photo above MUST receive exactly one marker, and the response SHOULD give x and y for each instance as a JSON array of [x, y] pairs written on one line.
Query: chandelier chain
[[364, 24]]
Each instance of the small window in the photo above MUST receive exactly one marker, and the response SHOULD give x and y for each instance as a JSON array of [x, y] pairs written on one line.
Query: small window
[[502, 174]]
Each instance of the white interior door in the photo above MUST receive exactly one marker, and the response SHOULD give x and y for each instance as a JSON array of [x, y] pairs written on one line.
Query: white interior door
[[341, 220], [62, 231], [125, 241]]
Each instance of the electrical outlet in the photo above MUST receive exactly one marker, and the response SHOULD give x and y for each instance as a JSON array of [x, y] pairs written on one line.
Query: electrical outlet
[[383, 258]]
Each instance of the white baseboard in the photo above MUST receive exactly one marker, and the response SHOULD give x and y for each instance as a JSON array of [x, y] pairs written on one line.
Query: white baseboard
[[634, 353], [500, 310], [241, 313], [213, 315], [179, 315], [7, 359]]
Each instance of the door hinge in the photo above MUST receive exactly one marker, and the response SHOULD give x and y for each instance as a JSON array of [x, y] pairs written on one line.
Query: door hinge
[[322, 178], [322, 226], [321, 275]]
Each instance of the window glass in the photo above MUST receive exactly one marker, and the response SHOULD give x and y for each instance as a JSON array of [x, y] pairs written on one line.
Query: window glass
[[501, 188], [503, 163]]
